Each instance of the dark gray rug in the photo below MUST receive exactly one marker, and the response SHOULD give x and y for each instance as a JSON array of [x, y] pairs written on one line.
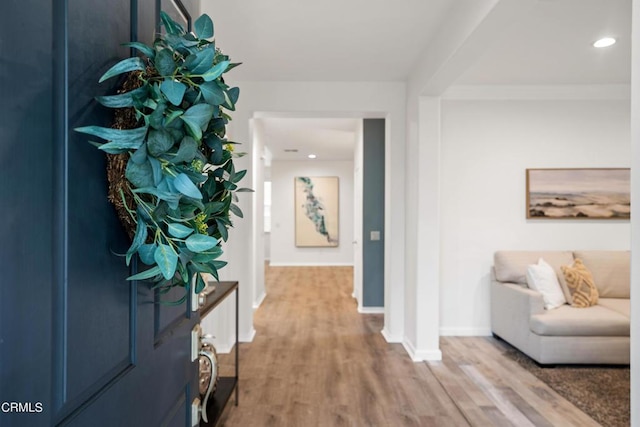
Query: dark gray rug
[[600, 391]]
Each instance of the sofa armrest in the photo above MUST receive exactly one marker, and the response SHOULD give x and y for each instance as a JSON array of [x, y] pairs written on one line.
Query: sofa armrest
[[511, 309]]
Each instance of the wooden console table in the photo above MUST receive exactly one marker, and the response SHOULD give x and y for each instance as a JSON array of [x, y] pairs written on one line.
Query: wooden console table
[[226, 385]]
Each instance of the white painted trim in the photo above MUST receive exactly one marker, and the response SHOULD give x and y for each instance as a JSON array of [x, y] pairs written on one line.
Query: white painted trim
[[258, 302], [371, 310], [310, 264], [538, 92], [465, 332], [421, 355], [390, 338], [226, 348], [248, 337]]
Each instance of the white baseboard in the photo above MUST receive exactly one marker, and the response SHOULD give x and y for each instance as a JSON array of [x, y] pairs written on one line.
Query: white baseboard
[[465, 332], [421, 355], [225, 348], [390, 338], [311, 264], [370, 310], [257, 303], [247, 337]]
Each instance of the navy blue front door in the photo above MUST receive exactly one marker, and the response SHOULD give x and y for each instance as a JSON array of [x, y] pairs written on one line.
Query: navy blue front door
[[79, 345]]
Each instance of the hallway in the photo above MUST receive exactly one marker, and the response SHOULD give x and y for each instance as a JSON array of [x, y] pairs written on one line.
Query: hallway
[[316, 362]]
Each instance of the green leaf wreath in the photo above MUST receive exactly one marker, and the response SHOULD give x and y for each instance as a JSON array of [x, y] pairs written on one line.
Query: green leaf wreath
[[176, 184]]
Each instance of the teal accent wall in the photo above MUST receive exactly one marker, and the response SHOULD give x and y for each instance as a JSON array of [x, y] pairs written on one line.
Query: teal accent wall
[[373, 213]]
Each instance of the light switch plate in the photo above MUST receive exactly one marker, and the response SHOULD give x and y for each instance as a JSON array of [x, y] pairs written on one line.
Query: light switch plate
[[375, 235]]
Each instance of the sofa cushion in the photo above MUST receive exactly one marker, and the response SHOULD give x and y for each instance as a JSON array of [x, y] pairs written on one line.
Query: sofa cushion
[[611, 271], [580, 282], [619, 305], [542, 278], [570, 321], [511, 266]]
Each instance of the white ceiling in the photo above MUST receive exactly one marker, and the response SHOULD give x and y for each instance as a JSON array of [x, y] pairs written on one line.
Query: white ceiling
[[548, 41], [329, 139], [542, 42], [552, 44], [328, 40]]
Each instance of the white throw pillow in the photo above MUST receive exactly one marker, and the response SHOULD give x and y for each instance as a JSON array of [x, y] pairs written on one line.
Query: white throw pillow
[[541, 277]]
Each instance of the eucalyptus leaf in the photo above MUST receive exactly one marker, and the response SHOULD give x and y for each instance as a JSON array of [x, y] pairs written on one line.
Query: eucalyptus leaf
[[159, 142], [146, 50], [200, 242], [199, 114], [234, 94], [156, 119], [222, 229], [140, 175], [204, 27], [146, 252], [164, 63], [169, 197], [156, 168], [123, 135], [118, 147], [214, 207], [174, 90], [138, 239], [236, 210], [185, 186], [127, 99], [147, 274], [200, 284], [215, 71], [167, 260], [178, 230], [238, 176], [196, 118], [212, 93], [199, 62], [172, 116], [219, 264], [180, 43], [140, 155], [188, 150], [124, 66], [170, 25]]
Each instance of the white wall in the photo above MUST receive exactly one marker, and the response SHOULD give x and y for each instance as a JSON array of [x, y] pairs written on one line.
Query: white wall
[[358, 207], [486, 148], [635, 207], [283, 248], [259, 164]]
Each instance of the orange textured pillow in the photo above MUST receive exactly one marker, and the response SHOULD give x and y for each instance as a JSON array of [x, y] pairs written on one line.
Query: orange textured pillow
[[580, 282]]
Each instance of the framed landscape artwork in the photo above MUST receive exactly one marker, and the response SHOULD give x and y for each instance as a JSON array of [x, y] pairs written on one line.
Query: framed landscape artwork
[[579, 193], [316, 211]]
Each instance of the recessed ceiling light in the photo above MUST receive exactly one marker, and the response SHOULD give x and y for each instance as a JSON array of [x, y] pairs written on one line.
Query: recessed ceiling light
[[312, 156], [604, 42]]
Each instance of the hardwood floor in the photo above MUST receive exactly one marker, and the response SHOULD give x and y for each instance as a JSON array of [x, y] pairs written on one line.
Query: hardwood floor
[[316, 362]]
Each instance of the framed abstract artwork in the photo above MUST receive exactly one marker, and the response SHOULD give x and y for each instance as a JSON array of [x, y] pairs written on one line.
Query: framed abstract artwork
[[316, 211], [602, 193]]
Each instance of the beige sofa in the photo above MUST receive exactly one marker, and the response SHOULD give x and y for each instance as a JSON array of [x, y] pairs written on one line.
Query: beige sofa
[[593, 335]]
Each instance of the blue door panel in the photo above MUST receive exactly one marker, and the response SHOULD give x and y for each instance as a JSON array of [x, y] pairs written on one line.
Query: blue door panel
[[89, 347]]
